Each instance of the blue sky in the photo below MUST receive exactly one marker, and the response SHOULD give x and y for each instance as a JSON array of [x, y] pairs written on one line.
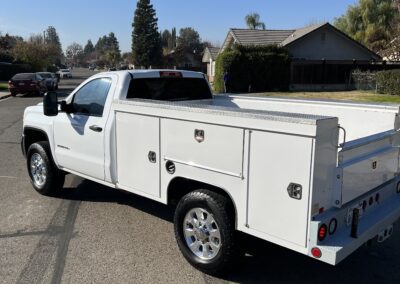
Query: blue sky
[[78, 21]]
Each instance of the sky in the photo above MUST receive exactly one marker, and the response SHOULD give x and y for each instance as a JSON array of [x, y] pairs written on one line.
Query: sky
[[80, 20]]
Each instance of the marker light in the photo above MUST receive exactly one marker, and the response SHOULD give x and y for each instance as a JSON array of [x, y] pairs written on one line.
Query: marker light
[[316, 252], [322, 232]]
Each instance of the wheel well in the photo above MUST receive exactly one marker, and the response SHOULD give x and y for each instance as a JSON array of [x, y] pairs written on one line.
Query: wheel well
[[32, 135], [179, 187]]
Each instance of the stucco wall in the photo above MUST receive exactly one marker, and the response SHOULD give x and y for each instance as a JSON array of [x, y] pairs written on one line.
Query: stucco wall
[[331, 46]]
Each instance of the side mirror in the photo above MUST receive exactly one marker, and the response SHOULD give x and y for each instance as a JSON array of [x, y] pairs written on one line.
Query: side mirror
[[50, 104]]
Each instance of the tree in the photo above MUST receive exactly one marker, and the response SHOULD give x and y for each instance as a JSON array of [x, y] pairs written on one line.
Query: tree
[[35, 52], [253, 21], [89, 47], [166, 39], [371, 22], [189, 40], [53, 38], [74, 53], [172, 42], [146, 41]]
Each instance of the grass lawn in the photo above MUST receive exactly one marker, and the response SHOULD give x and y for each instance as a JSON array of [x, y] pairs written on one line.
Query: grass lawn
[[3, 86], [358, 96]]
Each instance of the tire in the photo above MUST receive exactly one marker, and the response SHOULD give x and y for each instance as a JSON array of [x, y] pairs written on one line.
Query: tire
[[13, 94], [56, 88], [213, 244], [45, 177]]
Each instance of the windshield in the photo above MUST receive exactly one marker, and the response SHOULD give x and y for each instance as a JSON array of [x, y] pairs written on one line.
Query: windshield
[[169, 89]]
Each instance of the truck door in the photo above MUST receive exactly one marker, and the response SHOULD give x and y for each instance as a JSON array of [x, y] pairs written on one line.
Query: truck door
[[79, 136]]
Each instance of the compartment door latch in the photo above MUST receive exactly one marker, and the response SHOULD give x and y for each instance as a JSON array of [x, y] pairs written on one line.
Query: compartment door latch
[[295, 191]]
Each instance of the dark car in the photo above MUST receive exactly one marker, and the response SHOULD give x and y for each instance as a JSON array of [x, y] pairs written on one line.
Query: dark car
[[50, 79], [24, 83]]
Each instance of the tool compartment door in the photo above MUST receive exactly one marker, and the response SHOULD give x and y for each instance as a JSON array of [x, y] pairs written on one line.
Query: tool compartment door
[[138, 153], [210, 147], [276, 161]]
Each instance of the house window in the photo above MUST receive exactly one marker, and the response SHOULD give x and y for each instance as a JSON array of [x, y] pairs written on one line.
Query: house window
[[188, 65]]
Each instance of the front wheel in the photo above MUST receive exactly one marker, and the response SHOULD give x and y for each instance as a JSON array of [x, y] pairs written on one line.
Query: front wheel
[[204, 229], [45, 177]]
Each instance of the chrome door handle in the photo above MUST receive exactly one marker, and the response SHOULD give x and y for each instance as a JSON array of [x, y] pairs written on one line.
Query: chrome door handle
[[96, 128]]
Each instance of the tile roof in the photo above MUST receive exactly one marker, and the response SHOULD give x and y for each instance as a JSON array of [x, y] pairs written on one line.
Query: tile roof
[[260, 37], [213, 52]]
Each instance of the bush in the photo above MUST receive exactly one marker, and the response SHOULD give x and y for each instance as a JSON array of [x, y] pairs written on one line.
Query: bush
[[253, 68], [52, 69], [388, 82]]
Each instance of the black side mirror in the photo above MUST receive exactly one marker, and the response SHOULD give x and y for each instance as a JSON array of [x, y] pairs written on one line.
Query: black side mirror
[[50, 104]]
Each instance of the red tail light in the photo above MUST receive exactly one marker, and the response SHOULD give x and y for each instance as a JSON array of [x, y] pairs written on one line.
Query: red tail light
[[170, 74], [316, 252], [322, 232]]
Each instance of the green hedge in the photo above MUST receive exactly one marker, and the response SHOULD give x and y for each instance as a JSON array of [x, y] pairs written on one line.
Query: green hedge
[[7, 71], [262, 68], [388, 82]]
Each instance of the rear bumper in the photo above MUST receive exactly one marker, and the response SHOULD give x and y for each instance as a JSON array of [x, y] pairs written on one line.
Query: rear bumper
[[22, 90], [375, 220]]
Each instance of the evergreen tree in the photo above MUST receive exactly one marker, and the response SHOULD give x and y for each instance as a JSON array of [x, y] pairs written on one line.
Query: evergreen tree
[[172, 43], [165, 39], [89, 48], [53, 38], [146, 41]]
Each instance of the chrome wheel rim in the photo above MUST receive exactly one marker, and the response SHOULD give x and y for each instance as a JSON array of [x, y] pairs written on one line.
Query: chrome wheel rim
[[38, 170], [202, 233]]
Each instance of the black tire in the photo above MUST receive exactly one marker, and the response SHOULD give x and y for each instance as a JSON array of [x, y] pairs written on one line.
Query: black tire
[[13, 94], [54, 177], [222, 212]]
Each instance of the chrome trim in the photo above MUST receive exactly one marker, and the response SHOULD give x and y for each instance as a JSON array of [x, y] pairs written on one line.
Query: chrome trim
[[204, 167]]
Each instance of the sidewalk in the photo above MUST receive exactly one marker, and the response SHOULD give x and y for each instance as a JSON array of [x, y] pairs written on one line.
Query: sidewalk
[[4, 94]]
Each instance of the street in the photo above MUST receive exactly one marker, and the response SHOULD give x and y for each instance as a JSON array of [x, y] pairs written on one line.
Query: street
[[89, 233]]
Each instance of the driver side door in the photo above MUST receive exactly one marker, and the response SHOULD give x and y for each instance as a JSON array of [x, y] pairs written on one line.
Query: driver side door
[[79, 135]]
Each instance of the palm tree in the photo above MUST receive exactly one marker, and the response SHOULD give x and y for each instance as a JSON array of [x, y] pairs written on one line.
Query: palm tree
[[253, 21]]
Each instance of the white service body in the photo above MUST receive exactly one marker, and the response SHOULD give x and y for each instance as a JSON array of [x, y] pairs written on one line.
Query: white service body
[[254, 149]]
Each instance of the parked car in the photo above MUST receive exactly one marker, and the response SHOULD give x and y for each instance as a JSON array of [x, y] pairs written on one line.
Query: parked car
[[50, 79], [92, 67], [65, 73], [24, 83]]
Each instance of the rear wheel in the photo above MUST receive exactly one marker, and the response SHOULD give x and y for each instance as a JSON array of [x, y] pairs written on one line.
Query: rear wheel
[[45, 177], [204, 229]]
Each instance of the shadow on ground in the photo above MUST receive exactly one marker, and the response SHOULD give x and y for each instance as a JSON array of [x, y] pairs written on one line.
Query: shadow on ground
[[265, 262]]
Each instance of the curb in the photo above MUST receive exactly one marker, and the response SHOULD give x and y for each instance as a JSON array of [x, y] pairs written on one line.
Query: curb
[[5, 97]]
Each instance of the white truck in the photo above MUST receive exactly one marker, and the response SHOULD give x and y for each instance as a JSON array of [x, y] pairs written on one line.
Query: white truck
[[320, 178]]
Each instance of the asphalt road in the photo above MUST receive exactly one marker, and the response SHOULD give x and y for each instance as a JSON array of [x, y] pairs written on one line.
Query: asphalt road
[[92, 234]]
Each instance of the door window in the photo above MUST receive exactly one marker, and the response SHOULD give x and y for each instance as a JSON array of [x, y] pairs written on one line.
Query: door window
[[90, 99]]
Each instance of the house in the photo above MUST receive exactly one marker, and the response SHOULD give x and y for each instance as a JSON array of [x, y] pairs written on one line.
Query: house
[[209, 58], [323, 56], [183, 59]]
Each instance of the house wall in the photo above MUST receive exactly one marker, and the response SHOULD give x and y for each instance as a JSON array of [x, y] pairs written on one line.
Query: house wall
[[328, 44]]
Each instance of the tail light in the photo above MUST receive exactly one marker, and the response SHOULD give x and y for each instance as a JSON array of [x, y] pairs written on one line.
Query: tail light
[[316, 252], [322, 232], [10, 83]]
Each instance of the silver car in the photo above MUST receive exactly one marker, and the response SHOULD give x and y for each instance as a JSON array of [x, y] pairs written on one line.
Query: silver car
[[50, 79]]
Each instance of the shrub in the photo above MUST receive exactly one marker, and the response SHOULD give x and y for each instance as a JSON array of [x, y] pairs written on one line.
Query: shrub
[[388, 82], [253, 68], [7, 71]]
